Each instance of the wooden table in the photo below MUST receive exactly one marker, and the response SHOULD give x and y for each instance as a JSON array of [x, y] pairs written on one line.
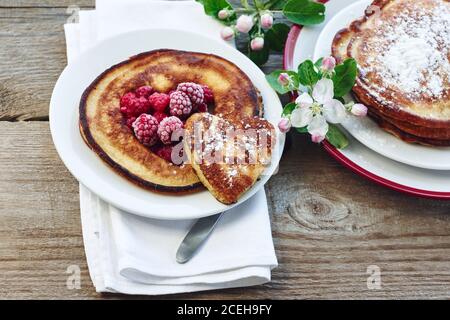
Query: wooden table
[[329, 225]]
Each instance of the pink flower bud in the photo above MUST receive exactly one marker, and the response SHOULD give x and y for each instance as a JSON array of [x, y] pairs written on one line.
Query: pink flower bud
[[284, 79], [227, 33], [224, 14], [257, 43], [317, 138], [284, 125], [244, 23], [328, 64], [266, 20], [359, 110]]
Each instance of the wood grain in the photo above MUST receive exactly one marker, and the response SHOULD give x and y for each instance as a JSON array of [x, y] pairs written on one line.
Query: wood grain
[[326, 234], [45, 3], [329, 225]]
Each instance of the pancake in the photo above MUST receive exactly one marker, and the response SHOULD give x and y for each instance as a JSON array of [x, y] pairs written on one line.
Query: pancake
[[403, 52], [102, 125], [228, 157]]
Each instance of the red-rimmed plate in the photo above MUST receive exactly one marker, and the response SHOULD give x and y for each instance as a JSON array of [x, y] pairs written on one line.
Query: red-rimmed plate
[[367, 163]]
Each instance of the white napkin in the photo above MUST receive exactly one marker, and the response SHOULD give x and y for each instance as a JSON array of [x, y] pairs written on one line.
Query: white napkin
[[134, 255]]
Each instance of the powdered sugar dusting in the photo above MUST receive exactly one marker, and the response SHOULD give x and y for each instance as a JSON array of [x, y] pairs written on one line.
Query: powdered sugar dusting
[[415, 48]]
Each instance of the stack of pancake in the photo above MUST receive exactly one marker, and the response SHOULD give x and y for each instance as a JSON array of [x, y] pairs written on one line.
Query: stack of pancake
[[402, 48]]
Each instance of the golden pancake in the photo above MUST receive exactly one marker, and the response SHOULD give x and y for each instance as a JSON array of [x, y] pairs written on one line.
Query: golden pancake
[[102, 124]]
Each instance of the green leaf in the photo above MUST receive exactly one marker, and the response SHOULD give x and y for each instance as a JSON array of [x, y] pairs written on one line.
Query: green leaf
[[275, 4], [276, 36], [340, 99], [336, 137], [261, 56], [305, 12], [345, 77], [307, 75], [272, 78], [318, 63], [212, 7], [287, 110], [302, 130], [258, 4]]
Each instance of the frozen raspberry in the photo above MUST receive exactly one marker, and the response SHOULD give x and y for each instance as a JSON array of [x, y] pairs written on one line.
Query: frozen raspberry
[[159, 101], [165, 152], [202, 107], [131, 105], [207, 94], [167, 127], [180, 104], [193, 90], [160, 116], [144, 91], [129, 122], [146, 129]]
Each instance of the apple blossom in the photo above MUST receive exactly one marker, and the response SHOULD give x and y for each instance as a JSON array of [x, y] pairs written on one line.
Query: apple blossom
[[359, 110], [314, 112], [227, 33], [328, 64], [284, 79], [257, 43], [224, 14], [244, 23], [266, 20], [284, 125]]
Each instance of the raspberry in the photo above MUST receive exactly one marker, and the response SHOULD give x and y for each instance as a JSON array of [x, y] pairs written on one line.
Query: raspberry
[[208, 94], [202, 107], [165, 152], [159, 101], [131, 105], [160, 116], [129, 122], [167, 127], [193, 90], [144, 91], [180, 104], [146, 129]]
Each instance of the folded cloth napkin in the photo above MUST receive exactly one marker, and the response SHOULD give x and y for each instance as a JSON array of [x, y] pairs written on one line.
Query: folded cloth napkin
[[134, 255]]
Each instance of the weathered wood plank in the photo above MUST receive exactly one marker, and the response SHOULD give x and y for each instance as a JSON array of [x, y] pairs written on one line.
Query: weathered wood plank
[[326, 232], [32, 56], [45, 3]]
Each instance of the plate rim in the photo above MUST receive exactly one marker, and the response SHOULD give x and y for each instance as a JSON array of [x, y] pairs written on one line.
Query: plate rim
[[423, 159], [288, 56], [154, 213]]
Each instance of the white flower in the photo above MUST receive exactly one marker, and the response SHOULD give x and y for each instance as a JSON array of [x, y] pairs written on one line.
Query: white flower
[[257, 43], [244, 23], [285, 80], [227, 33], [359, 110], [328, 64], [313, 112], [266, 20], [224, 14], [284, 125]]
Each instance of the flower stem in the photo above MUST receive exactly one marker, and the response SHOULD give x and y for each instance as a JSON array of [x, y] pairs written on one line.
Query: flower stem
[[243, 10]]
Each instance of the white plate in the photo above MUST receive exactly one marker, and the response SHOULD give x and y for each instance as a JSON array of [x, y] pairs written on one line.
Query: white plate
[[367, 131], [91, 171], [362, 160]]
